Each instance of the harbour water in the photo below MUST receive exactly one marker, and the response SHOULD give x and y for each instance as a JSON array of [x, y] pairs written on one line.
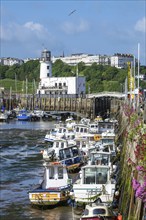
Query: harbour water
[[21, 166]]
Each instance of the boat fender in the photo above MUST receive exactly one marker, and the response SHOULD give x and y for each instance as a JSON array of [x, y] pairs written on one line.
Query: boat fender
[[97, 137]]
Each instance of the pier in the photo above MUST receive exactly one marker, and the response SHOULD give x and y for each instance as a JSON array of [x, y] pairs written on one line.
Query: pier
[[105, 104]]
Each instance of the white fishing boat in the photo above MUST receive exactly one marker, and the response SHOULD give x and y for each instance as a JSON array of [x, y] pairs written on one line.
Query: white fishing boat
[[55, 132], [50, 151], [70, 123], [59, 132], [60, 150], [94, 184], [54, 188], [93, 128], [106, 125], [3, 117]]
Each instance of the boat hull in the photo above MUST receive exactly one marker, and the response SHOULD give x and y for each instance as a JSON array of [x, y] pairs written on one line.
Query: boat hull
[[46, 198]]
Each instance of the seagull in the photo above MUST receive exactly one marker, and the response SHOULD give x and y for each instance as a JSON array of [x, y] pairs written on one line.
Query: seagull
[[71, 12]]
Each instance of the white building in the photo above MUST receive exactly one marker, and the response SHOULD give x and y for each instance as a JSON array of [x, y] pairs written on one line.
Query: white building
[[58, 86], [10, 61], [117, 60], [120, 60], [88, 59]]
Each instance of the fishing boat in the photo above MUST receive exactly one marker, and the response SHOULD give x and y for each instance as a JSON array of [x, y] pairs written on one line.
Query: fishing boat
[[58, 132], [60, 150], [3, 117], [24, 115], [54, 188], [70, 123], [95, 211], [94, 184]]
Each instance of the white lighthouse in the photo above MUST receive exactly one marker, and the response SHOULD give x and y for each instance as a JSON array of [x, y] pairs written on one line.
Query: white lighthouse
[[45, 65], [58, 86]]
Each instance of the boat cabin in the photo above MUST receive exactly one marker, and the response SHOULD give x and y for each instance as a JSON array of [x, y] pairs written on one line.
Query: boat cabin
[[93, 128], [95, 175], [104, 126], [81, 129], [98, 212], [94, 183], [100, 158], [70, 155], [55, 175], [51, 150]]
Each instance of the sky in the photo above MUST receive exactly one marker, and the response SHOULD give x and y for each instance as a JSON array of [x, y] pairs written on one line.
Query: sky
[[72, 26]]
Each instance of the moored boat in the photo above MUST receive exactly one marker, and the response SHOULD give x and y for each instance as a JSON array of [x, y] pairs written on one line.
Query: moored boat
[[95, 211], [3, 117], [95, 184], [24, 115], [55, 187], [67, 154]]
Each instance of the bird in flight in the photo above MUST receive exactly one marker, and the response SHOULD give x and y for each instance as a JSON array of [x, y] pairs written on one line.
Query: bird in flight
[[71, 12]]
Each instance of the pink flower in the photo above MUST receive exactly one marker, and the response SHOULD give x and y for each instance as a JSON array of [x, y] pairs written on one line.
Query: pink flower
[[140, 168], [135, 184]]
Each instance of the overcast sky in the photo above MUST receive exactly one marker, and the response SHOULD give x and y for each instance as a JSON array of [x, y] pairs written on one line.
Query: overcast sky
[[86, 26]]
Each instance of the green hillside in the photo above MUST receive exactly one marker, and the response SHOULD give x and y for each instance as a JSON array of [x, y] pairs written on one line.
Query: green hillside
[[98, 77]]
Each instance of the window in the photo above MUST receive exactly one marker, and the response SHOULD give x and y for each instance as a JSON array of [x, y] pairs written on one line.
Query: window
[[51, 173], [99, 211], [75, 151], [67, 153], [62, 145], [86, 212], [55, 85], [60, 172], [77, 129], [61, 155], [60, 85], [64, 84], [95, 175], [57, 144], [47, 67]]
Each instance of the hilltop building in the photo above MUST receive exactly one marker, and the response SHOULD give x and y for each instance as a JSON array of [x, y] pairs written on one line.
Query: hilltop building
[[58, 86], [120, 60], [117, 60], [9, 61]]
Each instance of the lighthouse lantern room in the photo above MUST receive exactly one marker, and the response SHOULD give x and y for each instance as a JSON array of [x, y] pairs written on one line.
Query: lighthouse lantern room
[[45, 65]]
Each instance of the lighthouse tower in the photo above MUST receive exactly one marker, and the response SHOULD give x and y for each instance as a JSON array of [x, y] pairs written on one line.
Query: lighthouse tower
[[45, 65]]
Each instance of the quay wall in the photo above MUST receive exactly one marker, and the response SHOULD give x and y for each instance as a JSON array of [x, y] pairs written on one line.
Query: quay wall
[[129, 137], [86, 107]]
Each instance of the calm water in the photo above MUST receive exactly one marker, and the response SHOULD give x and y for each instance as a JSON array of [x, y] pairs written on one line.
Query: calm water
[[21, 167]]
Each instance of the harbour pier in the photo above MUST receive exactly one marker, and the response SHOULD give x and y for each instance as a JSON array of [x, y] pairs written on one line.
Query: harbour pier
[[105, 105]]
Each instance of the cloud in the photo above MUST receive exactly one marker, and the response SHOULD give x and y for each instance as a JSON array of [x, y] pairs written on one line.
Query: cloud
[[34, 26], [141, 25], [72, 28], [24, 32]]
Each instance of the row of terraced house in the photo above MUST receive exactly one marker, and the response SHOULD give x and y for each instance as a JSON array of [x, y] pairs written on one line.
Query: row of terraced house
[[117, 60]]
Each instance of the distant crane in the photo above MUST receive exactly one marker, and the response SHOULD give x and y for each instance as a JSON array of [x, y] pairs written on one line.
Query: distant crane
[[71, 12]]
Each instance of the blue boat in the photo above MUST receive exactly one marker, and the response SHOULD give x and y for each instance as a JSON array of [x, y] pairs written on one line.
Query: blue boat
[[24, 115]]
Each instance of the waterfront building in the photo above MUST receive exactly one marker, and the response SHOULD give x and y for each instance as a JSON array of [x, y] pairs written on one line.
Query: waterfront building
[[58, 86]]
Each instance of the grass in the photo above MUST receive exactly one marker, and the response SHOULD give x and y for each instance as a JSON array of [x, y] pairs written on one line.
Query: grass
[[18, 86]]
